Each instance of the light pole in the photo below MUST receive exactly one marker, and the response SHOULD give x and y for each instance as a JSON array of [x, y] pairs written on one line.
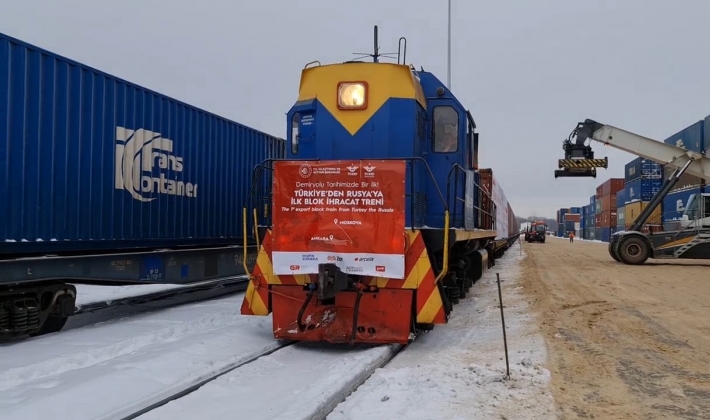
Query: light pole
[[448, 55]]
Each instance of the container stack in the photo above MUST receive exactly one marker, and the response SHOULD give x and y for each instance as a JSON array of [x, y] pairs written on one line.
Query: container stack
[[644, 179], [621, 210], [606, 217], [592, 223], [583, 223], [572, 223], [588, 215], [561, 232], [619, 201], [695, 138]]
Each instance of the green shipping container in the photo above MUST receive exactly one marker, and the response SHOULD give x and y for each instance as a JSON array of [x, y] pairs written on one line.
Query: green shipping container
[[621, 218]]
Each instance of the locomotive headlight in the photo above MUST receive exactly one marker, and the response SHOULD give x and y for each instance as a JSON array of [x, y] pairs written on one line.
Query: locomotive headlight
[[352, 95]]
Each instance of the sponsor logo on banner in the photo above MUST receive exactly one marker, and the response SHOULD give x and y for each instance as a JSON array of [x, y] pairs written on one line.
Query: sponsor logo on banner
[[294, 267], [339, 211]]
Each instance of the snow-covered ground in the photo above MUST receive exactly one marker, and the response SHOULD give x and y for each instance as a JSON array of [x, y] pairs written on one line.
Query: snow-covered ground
[[457, 370], [86, 294], [107, 370], [300, 382]]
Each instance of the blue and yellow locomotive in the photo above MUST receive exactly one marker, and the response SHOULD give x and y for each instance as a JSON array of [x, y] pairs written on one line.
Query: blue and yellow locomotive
[[360, 115]]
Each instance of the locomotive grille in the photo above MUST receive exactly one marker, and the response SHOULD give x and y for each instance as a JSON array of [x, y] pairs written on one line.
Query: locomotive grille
[[419, 207], [421, 126]]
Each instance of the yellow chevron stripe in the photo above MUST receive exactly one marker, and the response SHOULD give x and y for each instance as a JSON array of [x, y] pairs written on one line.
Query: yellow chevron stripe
[[414, 279], [256, 304], [431, 307]]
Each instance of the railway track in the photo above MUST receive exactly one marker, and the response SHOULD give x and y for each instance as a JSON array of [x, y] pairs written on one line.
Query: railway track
[[107, 309], [104, 310], [310, 380]]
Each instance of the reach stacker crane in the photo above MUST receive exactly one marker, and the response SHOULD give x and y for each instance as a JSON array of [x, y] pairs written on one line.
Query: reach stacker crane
[[632, 246]]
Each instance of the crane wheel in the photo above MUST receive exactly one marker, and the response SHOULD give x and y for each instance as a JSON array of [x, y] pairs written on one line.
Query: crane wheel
[[633, 250], [612, 251]]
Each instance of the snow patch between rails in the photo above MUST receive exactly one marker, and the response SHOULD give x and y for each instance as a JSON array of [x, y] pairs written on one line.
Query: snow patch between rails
[[457, 371], [299, 382]]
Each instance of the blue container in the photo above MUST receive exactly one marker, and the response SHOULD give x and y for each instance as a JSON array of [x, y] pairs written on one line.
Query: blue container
[[582, 222], [706, 132], [620, 198], [95, 162], [606, 233], [561, 231], [575, 210], [642, 189], [690, 138], [675, 202], [592, 200], [593, 204], [642, 168], [569, 227]]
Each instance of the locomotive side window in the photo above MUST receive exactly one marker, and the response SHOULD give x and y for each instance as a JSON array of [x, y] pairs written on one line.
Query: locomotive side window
[[294, 132], [446, 129]]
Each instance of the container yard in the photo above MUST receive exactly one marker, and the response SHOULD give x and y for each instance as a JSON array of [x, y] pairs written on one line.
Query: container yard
[[617, 202]]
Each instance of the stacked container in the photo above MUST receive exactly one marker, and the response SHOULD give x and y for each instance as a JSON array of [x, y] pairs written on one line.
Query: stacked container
[[592, 224], [674, 205], [583, 223], [690, 138], [572, 222], [606, 217], [561, 232], [644, 179], [621, 210]]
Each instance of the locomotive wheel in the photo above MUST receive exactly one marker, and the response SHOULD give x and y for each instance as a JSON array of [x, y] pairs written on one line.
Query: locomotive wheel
[[54, 323], [612, 251], [633, 250]]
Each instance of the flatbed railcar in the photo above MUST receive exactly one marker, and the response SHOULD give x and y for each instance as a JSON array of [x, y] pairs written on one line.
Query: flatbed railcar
[[380, 220], [107, 182]]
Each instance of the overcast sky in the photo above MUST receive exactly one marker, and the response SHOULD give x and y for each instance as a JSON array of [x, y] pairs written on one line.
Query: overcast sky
[[527, 70]]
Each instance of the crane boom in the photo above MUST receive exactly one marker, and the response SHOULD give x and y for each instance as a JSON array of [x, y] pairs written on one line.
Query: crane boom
[[665, 154]]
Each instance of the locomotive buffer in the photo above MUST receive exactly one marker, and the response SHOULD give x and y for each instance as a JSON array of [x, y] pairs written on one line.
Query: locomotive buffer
[[692, 240]]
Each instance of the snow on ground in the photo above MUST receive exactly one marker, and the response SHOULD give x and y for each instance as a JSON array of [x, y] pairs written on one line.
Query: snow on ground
[[107, 370], [86, 294], [457, 370], [299, 382]]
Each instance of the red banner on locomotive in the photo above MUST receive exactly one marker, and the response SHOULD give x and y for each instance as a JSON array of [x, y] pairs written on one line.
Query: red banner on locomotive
[[348, 213]]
